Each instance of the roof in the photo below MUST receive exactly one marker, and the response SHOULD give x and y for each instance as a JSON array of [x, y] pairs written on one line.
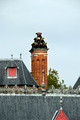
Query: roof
[[23, 75], [77, 83], [37, 107]]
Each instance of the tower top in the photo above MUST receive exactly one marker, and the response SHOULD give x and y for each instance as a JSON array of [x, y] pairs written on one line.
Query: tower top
[[38, 43], [38, 34]]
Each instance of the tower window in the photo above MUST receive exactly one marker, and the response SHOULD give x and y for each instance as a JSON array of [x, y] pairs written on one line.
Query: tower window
[[12, 72]]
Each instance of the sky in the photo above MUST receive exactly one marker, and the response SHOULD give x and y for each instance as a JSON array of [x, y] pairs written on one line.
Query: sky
[[59, 23]]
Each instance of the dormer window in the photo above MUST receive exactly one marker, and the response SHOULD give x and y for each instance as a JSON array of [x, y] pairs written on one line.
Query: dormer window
[[12, 72]]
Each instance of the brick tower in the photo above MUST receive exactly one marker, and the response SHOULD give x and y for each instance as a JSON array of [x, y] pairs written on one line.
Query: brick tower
[[39, 59]]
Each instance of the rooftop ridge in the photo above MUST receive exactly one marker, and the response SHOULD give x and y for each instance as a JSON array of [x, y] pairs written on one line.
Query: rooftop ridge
[[14, 94], [4, 59]]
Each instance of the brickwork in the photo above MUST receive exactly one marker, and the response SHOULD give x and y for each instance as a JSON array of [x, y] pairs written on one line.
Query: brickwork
[[39, 59], [39, 63]]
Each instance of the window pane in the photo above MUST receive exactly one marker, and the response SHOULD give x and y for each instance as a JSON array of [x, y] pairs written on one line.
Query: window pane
[[12, 71]]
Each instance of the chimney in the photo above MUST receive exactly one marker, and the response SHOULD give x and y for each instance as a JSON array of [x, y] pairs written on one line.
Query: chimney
[[39, 59]]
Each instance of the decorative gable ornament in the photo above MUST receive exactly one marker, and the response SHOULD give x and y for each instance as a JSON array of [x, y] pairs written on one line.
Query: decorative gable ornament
[[60, 115]]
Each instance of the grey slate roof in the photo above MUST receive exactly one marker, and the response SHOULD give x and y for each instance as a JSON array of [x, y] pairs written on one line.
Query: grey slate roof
[[77, 83], [35, 107], [55, 115], [23, 75]]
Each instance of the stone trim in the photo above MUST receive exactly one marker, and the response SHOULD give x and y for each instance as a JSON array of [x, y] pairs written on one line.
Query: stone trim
[[35, 54]]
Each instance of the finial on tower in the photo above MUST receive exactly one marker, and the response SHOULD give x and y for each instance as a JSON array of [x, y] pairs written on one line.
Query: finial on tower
[[39, 34], [39, 42]]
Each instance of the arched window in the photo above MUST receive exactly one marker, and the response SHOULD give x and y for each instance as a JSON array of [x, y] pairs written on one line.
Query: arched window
[[43, 64], [33, 65], [37, 68]]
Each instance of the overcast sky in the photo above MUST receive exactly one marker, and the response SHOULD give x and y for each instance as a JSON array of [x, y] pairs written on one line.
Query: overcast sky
[[58, 20]]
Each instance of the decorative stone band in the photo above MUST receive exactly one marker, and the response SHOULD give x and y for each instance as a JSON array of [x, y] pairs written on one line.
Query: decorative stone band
[[35, 54]]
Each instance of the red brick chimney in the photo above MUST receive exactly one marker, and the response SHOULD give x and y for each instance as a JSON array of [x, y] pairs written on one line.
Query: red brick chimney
[[39, 59]]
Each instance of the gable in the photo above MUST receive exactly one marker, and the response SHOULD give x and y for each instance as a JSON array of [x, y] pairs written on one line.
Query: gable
[[61, 116]]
